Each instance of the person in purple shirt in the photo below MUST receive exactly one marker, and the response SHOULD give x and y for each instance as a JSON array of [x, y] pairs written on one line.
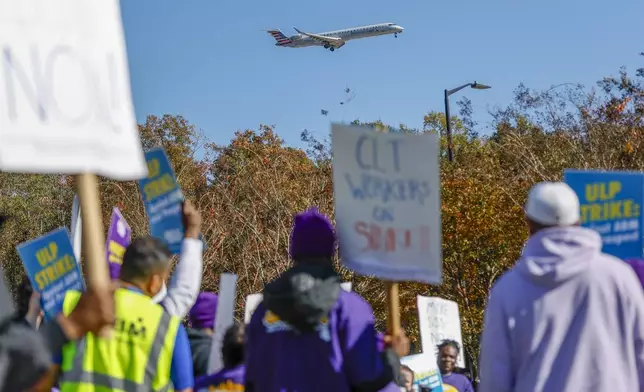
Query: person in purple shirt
[[448, 352], [231, 377], [308, 334]]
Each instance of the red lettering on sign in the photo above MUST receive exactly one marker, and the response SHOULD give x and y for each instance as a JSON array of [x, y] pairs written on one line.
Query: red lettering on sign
[[390, 239]]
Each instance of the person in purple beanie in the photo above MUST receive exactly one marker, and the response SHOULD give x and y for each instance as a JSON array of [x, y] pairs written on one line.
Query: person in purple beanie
[[202, 322], [231, 377], [310, 335]]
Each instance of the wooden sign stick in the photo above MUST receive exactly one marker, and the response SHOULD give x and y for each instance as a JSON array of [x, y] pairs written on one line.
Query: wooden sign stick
[[393, 309], [93, 242]]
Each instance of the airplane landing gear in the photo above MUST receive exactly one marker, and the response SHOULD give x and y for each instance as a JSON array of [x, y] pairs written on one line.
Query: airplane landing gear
[[395, 35], [332, 48], [326, 46]]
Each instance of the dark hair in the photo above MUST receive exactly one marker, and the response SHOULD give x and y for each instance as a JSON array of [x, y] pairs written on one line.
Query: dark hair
[[450, 343], [144, 257], [232, 349], [24, 293], [3, 219]]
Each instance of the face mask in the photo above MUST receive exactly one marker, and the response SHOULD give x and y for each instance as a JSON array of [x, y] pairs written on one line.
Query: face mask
[[160, 295]]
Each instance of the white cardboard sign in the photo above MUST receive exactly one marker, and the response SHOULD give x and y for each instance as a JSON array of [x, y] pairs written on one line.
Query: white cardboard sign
[[439, 319], [65, 100], [387, 203], [253, 300], [224, 319]]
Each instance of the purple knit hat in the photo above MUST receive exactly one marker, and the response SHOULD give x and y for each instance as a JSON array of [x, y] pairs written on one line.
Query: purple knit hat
[[638, 267], [202, 314], [313, 236]]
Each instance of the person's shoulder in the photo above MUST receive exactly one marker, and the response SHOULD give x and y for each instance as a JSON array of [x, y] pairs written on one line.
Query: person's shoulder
[[622, 272], [258, 314], [353, 301], [607, 262], [460, 377], [506, 282], [351, 305], [609, 268]]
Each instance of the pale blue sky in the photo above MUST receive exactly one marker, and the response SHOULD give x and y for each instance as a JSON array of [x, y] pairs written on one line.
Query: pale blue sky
[[211, 61]]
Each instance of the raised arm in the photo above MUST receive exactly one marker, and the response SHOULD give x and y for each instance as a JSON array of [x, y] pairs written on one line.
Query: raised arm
[[186, 281]]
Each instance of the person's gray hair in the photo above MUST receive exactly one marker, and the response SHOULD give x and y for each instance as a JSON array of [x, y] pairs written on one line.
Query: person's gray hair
[[144, 257]]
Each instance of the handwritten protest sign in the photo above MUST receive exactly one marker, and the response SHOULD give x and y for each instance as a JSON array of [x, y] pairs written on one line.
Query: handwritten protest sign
[[119, 236], [610, 203], [52, 268], [162, 197], [253, 300], [387, 203], [65, 100], [425, 370], [438, 320]]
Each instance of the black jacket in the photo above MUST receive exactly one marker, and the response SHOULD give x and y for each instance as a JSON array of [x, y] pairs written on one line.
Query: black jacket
[[200, 343]]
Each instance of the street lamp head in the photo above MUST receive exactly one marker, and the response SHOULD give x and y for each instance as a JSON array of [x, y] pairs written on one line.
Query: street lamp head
[[479, 86]]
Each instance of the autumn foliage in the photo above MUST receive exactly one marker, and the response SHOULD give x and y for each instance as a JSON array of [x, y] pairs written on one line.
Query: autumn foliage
[[249, 190]]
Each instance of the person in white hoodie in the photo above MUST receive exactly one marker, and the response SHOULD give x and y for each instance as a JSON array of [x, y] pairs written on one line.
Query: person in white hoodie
[[566, 317]]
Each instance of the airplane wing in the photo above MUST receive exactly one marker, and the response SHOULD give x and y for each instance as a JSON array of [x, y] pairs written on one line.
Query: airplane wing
[[334, 41]]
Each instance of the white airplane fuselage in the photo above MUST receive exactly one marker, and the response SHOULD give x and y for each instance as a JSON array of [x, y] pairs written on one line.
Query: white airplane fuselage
[[341, 36]]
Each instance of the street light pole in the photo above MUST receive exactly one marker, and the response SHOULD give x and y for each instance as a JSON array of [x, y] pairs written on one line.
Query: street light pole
[[448, 120], [448, 124]]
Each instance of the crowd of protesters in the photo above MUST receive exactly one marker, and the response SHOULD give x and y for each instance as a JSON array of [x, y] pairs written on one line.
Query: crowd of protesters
[[566, 317]]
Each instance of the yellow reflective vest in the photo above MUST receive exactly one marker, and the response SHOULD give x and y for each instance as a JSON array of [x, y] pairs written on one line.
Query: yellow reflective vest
[[136, 358]]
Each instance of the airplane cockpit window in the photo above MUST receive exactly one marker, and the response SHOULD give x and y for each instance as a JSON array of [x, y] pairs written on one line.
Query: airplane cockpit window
[[390, 24]]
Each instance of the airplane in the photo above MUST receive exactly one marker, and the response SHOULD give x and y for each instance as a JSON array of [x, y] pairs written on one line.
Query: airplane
[[333, 40]]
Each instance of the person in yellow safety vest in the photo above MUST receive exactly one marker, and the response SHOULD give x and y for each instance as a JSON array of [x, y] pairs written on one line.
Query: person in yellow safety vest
[[148, 349]]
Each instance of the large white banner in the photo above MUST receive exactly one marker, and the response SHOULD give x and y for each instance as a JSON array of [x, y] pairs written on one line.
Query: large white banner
[[387, 203], [65, 100], [439, 319]]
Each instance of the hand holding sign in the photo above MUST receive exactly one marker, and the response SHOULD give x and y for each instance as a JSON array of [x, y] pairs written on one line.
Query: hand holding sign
[[191, 220], [399, 343], [93, 312]]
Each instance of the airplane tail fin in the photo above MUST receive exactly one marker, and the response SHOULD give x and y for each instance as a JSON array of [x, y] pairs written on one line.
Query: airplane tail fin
[[280, 37]]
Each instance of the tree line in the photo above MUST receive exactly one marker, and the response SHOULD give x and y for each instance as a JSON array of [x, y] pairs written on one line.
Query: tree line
[[249, 190]]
